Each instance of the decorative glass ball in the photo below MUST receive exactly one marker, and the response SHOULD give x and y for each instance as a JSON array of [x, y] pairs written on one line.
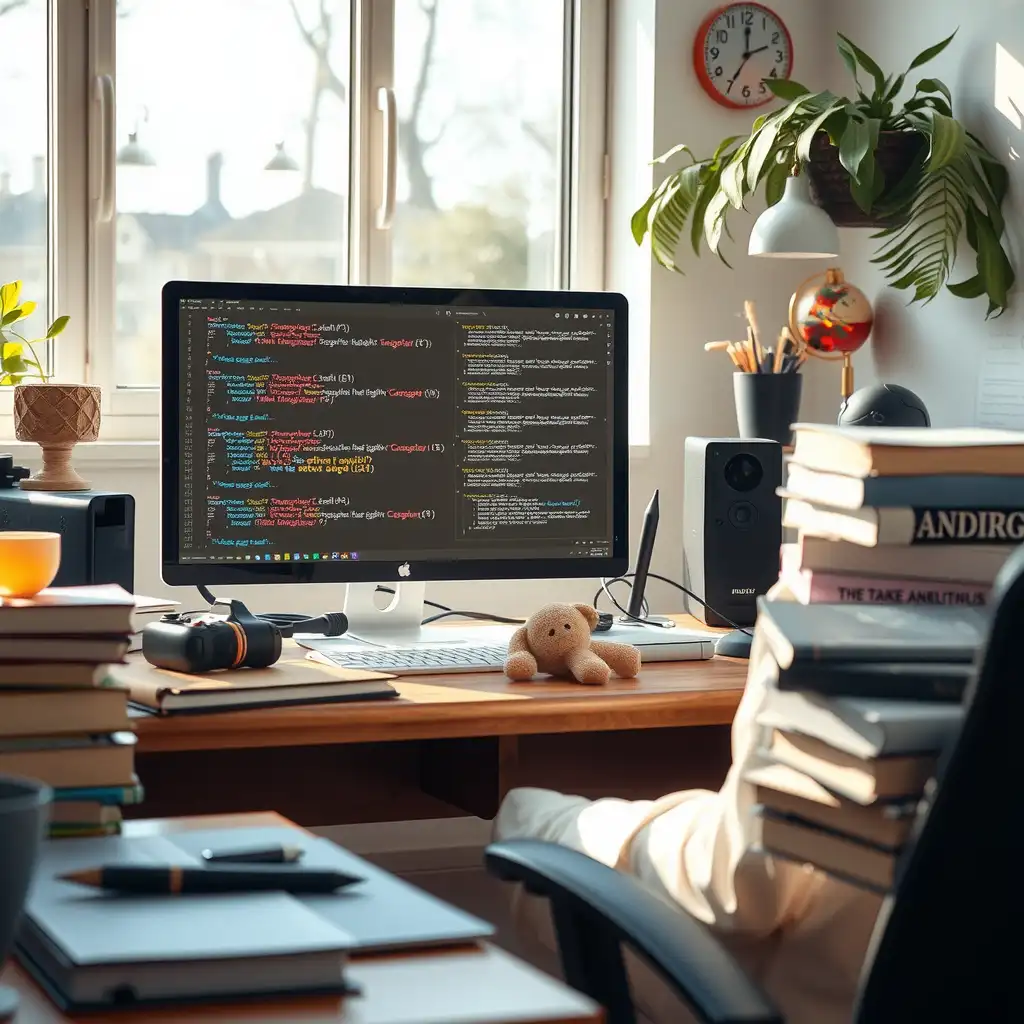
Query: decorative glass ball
[[831, 315]]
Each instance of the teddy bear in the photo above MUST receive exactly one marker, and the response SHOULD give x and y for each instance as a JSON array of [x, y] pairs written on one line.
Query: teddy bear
[[556, 640]]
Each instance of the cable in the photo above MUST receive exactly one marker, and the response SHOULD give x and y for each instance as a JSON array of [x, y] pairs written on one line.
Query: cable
[[328, 624], [287, 620], [606, 584]]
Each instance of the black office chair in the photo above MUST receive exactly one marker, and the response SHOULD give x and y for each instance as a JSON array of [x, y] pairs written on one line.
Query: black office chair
[[949, 942]]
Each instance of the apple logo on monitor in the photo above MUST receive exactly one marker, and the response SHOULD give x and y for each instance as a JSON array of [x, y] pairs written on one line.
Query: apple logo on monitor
[[404, 570]]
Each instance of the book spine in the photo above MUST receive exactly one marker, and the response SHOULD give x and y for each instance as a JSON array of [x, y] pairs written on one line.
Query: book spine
[[828, 588], [967, 525]]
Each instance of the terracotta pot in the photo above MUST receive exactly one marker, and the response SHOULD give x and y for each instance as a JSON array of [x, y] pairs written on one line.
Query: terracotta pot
[[830, 180], [56, 417]]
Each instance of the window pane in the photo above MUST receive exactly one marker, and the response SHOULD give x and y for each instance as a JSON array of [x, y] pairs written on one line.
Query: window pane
[[23, 152], [232, 153], [478, 87]]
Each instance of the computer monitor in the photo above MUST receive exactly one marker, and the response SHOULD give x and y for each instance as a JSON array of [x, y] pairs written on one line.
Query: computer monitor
[[322, 434]]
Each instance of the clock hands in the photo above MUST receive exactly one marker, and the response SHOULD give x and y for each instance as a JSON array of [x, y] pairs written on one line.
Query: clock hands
[[747, 54]]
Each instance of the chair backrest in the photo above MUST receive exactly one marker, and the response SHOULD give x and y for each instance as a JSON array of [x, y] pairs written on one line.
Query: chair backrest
[[944, 941]]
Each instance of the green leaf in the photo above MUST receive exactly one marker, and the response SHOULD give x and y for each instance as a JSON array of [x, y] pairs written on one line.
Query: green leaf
[[949, 140], [12, 317], [732, 183], [851, 63], [681, 148], [761, 151], [9, 294], [775, 183], [638, 222], [861, 58], [854, 145], [14, 364], [894, 90], [709, 189], [725, 144], [992, 263], [786, 88], [803, 142], [972, 288], [57, 326], [931, 53], [934, 85]]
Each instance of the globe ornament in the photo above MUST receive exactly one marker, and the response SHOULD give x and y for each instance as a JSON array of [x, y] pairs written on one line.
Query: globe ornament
[[831, 318]]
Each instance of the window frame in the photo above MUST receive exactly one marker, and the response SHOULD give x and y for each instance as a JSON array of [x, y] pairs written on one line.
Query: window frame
[[81, 166]]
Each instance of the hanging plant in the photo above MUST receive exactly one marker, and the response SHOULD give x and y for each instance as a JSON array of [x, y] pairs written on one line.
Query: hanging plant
[[911, 169]]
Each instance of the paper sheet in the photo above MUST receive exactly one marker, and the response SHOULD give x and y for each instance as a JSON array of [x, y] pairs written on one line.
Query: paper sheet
[[1000, 398]]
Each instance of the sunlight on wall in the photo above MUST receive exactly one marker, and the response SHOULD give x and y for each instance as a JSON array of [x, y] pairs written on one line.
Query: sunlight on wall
[[1009, 90]]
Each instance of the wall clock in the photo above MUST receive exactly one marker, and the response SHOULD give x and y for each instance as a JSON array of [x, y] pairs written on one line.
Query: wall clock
[[736, 47]]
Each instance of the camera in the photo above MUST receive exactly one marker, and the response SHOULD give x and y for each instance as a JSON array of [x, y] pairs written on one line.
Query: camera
[[743, 472], [206, 644]]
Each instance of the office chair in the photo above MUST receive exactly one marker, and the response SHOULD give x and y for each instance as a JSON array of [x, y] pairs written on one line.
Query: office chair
[[947, 943]]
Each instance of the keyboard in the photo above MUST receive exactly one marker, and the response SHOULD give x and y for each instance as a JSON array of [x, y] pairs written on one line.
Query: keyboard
[[438, 658], [419, 660]]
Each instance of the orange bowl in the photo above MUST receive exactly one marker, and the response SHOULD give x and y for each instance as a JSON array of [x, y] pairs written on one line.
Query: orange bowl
[[28, 562]]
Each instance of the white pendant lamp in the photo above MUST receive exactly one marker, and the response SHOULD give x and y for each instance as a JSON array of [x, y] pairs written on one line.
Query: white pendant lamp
[[794, 228]]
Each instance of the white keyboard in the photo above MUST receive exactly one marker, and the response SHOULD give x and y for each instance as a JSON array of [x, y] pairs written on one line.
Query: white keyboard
[[419, 659], [437, 659]]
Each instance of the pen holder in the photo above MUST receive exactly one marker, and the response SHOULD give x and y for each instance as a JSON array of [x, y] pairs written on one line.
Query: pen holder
[[767, 404]]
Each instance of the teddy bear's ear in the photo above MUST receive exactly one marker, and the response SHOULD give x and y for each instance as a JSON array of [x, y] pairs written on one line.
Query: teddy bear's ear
[[589, 612]]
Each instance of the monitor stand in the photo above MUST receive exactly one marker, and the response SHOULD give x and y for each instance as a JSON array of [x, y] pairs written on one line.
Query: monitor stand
[[397, 622]]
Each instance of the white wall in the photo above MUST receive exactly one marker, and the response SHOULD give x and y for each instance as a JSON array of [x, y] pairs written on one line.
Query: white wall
[[935, 350], [658, 103]]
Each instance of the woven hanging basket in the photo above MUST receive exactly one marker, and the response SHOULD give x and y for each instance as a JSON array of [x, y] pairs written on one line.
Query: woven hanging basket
[[830, 180]]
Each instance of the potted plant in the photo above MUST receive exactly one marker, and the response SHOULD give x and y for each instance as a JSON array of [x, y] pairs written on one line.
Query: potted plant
[[54, 416], [905, 166]]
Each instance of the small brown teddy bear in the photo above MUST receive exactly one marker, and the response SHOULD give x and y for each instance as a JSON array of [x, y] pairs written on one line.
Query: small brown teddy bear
[[557, 640]]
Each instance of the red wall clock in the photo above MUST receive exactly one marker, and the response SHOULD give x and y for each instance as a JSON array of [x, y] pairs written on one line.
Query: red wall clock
[[736, 47]]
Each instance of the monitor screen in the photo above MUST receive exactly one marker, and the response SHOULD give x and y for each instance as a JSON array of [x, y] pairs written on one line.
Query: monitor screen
[[357, 433]]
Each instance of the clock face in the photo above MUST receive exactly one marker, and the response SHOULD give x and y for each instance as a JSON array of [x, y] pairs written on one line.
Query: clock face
[[737, 47]]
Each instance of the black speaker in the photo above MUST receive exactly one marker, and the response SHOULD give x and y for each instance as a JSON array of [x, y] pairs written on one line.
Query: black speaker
[[97, 531], [732, 525]]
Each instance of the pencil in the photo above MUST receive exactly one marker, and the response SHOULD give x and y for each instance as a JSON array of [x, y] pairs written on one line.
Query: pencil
[[717, 346], [735, 355], [751, 349], [780, 351], [755, 335]]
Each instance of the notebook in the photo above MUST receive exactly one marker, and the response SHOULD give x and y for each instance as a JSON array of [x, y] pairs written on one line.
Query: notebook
[[91, 950]]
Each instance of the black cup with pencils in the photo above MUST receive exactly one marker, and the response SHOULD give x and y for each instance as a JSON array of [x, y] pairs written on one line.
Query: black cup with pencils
[[767, 382]]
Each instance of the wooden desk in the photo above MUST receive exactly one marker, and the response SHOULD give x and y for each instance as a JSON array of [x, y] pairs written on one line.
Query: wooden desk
[[452, 745], [470, 984]]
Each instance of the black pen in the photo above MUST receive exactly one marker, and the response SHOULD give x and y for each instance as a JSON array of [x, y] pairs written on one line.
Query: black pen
[[152, 879], [278, 854]]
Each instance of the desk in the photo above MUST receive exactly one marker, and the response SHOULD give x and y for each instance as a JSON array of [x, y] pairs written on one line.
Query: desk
[[454, 744], [471, 984]]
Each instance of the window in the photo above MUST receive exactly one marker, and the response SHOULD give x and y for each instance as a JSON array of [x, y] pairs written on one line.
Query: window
[[323, 141], [24, 238]]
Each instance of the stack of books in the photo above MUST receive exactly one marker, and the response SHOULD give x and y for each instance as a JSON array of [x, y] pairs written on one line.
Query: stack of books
[[62, 718], [901, 516], [860, 703]]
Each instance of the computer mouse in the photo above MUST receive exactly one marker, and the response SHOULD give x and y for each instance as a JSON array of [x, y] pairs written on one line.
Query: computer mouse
[[735, 644]]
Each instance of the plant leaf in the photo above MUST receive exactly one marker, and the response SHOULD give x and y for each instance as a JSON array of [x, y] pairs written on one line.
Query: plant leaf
[[949, 140], [861, 58], [9, 294], [14, 364], [27, 309], [804, 139], [733, 178], [894, 90], [931, 53], [57, 326], [638, 222], [992, 264], [760, 151], [786, 88], [775, 183], [11, 317], [934, 85], [972, 288], [854, 145], [681, 148]]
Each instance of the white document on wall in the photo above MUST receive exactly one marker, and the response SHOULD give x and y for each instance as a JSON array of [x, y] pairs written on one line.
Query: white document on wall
[[1000, 400]]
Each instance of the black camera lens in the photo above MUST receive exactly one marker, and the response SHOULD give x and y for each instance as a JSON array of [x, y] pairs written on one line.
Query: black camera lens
[[743, 472]]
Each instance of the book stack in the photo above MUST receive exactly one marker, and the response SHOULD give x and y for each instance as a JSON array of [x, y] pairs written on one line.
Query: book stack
[[859, 705], [62, 718], [901, 516]]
